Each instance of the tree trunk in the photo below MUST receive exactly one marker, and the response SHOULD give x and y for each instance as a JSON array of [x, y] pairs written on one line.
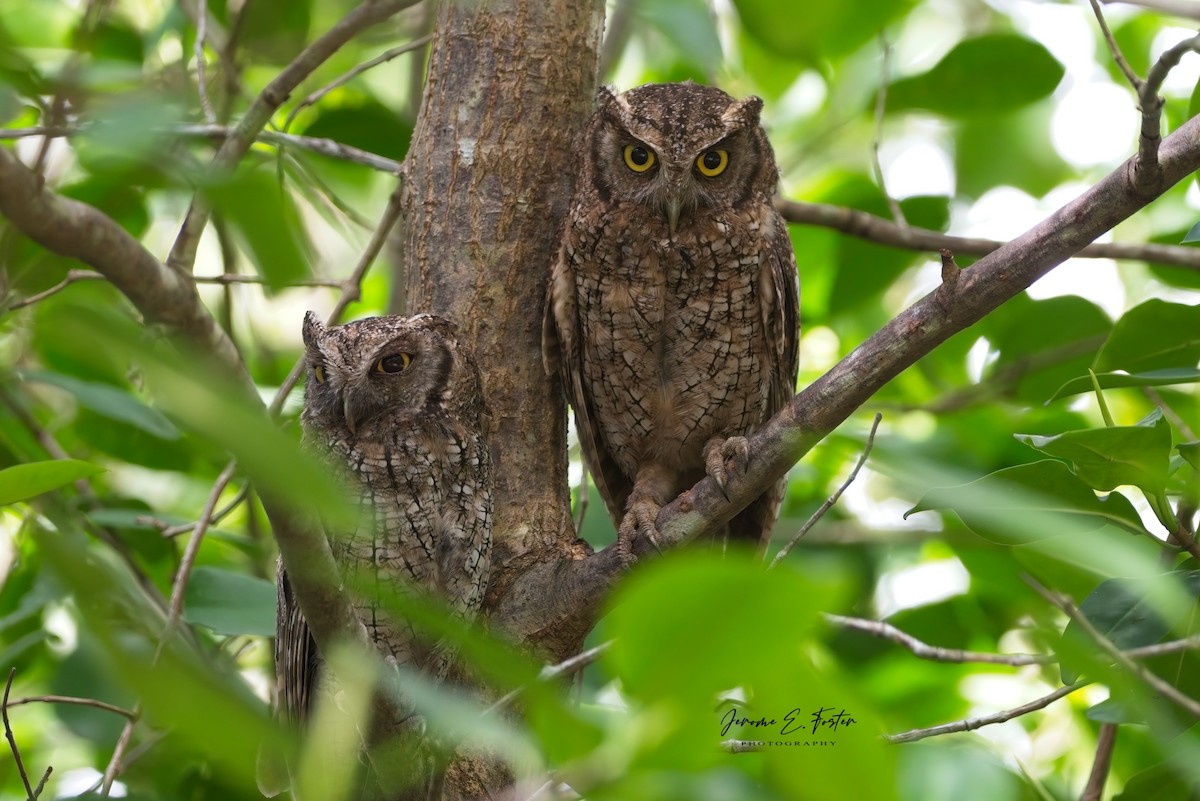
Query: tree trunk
[[487, 181]]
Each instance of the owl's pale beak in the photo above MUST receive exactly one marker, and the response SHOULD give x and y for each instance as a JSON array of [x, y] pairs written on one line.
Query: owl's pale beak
[[672, 208], [348, 413]]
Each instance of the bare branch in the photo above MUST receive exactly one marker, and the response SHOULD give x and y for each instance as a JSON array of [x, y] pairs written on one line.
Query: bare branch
[[1156, 683], [1100, 766], [1146, 173], [68, 699], [876, 229], [75, 276], [991, 281], [202, 83], [1115, 49], [551, 672], [12, 740], [881, 107], [114, 763], [741, 746], [970, 724], [1179, 8], [179, 585], [878, 628], [825, 507], [163, 295], [363, 16], [174, 531], [346, 77]]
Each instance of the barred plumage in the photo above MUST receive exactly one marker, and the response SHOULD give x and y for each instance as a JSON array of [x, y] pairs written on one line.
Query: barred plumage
[[672, 308]]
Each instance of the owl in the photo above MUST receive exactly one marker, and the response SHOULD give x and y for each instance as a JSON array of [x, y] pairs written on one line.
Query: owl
[[671, 313], [394, 406]]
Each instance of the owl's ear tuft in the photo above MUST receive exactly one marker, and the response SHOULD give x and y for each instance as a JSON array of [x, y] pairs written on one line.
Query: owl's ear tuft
[[744, 112], [312, 329], [605, 97]]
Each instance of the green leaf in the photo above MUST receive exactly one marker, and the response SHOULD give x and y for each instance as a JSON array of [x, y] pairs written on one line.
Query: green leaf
[[1155, 335], [1042, 343], [986, 75], [1190, 451], [24, 481], [1130, 613], [1152, 378], [109, 401], [1107, 458], [230, 603], [1158, 783], [364, 123], [1030, 502], [1193, 235], [828, 30], [265, 221]]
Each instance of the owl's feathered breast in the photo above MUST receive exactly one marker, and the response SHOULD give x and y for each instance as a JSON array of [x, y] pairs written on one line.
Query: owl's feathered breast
[[671, 334], [420, 483]]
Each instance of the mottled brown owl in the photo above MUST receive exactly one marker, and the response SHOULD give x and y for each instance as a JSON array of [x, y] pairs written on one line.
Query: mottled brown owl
[[395, 407], [672, 305]]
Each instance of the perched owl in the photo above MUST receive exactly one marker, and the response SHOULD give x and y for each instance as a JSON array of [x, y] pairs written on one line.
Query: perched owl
[[395, 407], [672, 305]]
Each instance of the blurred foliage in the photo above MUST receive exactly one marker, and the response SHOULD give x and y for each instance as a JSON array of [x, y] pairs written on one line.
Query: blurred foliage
[[1054, 440]]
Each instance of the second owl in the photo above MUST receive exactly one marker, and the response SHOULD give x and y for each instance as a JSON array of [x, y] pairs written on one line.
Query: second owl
[[672, 307]]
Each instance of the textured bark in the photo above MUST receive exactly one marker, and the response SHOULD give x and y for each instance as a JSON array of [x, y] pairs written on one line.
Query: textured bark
[[487, 181]]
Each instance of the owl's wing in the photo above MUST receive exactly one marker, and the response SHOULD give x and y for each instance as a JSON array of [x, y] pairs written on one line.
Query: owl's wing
[[780, 314], [781, 317], [562, 354], [296, 657]]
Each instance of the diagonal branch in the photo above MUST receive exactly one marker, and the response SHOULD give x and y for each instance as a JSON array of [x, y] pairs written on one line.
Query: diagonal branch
[[970, 724], [979, 289], [885, 232], [164, 296]]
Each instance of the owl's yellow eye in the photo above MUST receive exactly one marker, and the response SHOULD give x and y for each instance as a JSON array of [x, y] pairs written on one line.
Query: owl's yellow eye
[[639, 158], [319, 374], [394, 363], [712, 162]]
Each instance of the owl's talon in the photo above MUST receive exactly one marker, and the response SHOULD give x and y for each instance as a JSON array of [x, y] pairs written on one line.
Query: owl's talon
[[725, 460]]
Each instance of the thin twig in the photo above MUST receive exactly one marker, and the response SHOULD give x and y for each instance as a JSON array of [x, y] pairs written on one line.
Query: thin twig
[[1102, 762], [885, 232], [1146, 171], [174, 613], [741, 746], [346, 77], [878, 628], [1191, 706], [1169, 412], [174, 531], [75, 276], [12, 740], [970, 724], [201, 32], [551, 672], [67, 699], [1179, 8], [114, 763], [825, 507], [582, 504], [351, 290], [880, 107], [1115, 49], [179, 585]]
